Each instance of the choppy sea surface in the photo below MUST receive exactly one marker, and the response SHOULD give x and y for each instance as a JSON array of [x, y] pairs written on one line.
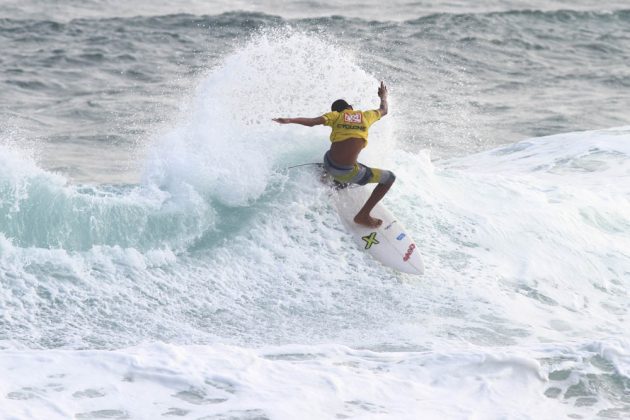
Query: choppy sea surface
[[158, 259]]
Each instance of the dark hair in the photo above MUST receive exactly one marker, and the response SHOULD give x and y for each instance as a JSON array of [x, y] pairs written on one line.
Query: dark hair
[[339, 105]]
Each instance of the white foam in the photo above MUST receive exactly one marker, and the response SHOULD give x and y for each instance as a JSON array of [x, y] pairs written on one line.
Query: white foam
[[309, 382]]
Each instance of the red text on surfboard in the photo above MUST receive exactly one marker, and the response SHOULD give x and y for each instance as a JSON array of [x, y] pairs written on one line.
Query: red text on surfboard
[[409, 252]]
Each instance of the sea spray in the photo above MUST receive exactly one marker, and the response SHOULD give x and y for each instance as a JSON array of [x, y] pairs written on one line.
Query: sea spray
[[226, 144]]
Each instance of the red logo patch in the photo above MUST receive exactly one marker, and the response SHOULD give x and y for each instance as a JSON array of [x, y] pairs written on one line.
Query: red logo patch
[[409, 252], [353, 118]]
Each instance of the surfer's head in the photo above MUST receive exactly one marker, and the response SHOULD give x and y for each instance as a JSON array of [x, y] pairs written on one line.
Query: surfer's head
[[340, 105]]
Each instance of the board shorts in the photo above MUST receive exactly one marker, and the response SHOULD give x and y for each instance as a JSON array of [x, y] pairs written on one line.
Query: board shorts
[[357, 173]]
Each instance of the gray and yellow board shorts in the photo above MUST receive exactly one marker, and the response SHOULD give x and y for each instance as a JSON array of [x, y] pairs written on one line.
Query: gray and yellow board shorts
[[357, 173]]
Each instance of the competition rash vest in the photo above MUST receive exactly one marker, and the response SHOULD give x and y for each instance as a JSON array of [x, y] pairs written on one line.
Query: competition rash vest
[[350, 124]]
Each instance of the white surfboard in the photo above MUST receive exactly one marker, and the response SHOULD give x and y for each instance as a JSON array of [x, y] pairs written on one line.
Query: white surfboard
[[390, 244]]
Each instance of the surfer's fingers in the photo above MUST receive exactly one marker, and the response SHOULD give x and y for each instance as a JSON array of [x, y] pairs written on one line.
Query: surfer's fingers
[[382, 89]]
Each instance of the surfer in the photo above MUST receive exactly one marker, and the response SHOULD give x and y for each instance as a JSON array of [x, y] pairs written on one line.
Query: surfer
[[349, 136]]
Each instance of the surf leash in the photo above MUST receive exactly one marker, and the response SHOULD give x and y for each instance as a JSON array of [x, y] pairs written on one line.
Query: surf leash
[[306, 164]]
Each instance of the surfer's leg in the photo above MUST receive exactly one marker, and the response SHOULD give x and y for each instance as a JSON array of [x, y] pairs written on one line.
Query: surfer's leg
[[385, 181], [362, 175]]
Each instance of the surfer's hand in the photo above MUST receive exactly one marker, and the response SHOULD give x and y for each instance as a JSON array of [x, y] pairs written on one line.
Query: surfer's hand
[[382, 91], [282, 120]]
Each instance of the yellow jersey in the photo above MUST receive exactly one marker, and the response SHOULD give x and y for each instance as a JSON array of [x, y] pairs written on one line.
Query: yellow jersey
[[350, 124]]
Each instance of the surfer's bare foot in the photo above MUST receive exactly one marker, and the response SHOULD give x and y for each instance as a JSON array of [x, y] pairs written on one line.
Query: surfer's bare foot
[[367, 220]]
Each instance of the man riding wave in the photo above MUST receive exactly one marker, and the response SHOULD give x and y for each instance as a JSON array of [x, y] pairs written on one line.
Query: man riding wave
[[349, 136]]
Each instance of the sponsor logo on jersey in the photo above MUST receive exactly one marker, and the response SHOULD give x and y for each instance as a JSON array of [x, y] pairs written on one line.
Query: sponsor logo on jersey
[[351, 127], [353, 118], [400, 237], [409, 252]]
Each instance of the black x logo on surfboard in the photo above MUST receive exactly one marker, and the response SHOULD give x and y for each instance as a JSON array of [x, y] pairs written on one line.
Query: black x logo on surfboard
[[370, 240]]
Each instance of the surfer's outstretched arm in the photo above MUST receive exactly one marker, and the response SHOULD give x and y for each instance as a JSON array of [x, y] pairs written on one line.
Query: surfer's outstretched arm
[[309, 122]]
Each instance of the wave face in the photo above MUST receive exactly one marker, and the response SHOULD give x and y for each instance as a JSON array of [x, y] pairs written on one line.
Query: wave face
[[224, 282]]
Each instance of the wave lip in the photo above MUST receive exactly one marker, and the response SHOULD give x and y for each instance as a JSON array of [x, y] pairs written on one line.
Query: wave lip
[[39, 209]]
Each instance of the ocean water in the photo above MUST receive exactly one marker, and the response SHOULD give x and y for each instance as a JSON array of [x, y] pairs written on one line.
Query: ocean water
[[158, 259]]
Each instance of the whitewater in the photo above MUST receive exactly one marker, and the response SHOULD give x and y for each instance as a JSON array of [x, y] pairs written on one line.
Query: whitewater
[[213, 282]]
